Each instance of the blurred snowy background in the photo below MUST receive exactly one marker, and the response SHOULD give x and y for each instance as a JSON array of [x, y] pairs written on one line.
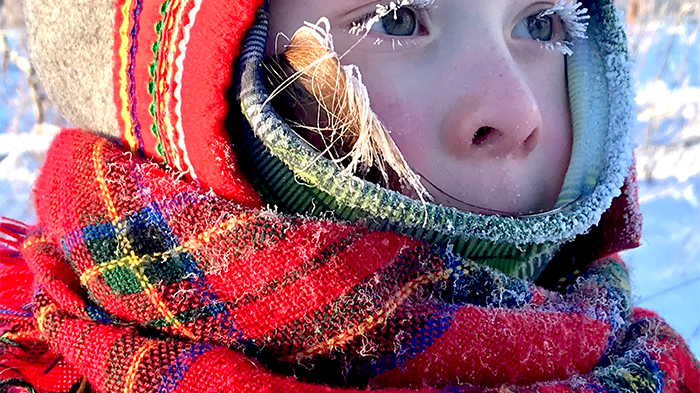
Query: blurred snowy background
[[665, 43]]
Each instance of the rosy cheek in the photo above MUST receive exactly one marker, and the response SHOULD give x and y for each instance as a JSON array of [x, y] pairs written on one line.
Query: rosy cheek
[[406, 124]]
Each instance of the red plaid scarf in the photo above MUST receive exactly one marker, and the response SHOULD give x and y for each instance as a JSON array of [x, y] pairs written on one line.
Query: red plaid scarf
[[137, 281]]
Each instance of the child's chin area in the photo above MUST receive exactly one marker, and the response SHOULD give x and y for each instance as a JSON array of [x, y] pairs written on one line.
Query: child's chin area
[[504, 188]]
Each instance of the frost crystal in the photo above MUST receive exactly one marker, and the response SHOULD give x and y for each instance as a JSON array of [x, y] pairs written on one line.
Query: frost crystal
[[575, 20], [384, 10]]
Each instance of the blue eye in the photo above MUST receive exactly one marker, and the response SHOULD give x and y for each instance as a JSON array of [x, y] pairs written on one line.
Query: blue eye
[[535, 27], [402, 22]]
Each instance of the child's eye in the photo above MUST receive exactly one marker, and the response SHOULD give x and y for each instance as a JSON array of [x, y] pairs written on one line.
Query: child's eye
[[556, 27], [537, 27], [402, 18], [402, 22]]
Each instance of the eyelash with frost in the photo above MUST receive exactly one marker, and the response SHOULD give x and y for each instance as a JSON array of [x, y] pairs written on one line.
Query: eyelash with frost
[[573, 15], [575, 19], [384, 10]]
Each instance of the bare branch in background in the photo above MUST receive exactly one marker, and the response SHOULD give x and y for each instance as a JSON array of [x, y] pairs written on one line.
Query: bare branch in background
[[24, 65], [670, 128], [11, 19]]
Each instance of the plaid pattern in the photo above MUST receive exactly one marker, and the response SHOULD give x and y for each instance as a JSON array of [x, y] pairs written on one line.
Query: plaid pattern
[[144, 283]]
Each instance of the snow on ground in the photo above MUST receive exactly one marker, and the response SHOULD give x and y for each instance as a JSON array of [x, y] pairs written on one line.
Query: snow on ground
[[665, 269], [15, 109], [21, 155]]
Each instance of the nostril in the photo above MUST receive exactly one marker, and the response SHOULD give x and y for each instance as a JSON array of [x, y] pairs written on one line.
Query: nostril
[[509, 143], [530, 142], [484, 136], [480, 136]]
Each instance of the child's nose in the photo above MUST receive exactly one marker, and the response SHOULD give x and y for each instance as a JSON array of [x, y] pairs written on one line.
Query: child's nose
[[497, 113]]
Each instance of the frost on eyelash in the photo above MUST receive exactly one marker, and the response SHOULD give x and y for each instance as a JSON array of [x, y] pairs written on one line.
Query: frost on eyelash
[[575, 19], [384, 10]]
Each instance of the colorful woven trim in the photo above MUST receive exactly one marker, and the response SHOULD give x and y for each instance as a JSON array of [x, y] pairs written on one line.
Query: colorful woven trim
[[172, 33], [128, 22], [171, 70], [145, 283]]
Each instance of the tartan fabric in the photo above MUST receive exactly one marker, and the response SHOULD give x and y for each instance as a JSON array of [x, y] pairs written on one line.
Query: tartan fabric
[[138, 281]]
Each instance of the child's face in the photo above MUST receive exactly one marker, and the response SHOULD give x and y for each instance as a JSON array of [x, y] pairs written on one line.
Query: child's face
[[476, 105]]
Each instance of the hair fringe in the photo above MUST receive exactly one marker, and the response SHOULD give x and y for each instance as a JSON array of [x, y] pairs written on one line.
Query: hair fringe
[[341, 122]]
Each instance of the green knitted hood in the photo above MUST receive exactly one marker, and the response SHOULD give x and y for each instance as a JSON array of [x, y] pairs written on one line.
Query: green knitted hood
[[294, 177]]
